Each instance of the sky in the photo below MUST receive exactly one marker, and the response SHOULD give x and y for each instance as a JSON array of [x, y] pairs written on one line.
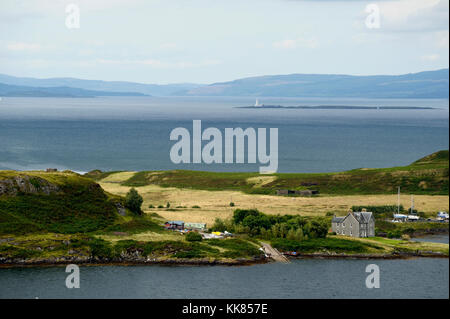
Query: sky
[[207, 41]]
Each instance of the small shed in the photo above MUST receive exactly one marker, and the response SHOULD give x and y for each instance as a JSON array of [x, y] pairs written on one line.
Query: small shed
[[195, 226], [174, 225], [304, 192], [307, 192], [51, 170]]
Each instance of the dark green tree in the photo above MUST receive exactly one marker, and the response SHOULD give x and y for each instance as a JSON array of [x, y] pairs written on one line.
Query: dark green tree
[[133, 201]]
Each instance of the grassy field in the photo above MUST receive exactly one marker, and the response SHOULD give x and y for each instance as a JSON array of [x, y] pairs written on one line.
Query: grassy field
[[196, 196], [427, 176], [216, 204], [348, 245]]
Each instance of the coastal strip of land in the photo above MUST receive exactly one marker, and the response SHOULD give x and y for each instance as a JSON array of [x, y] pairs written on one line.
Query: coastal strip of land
[[52, 217]]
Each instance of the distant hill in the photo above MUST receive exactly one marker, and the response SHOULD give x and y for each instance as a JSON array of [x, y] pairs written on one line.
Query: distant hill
[[60, 91], [430, 84], [105, 86]]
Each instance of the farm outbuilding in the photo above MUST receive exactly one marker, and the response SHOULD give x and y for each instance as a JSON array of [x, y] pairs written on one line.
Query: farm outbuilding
[[195, 226], [174, 225], [304, 192]]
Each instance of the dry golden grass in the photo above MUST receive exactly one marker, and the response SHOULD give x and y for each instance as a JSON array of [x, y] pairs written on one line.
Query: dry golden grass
[[118, 177], [261, 180], [146, 236], [214, 204]]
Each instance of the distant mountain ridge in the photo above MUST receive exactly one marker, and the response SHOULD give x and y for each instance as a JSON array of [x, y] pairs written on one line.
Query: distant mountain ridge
[[427, 84], [98, 85], [59, 91]]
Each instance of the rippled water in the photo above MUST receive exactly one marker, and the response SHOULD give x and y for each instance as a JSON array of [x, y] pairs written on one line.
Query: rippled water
[[309, 278]]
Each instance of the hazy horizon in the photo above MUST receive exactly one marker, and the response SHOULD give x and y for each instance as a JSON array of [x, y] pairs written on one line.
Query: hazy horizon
[[213, 82], [204, 42]]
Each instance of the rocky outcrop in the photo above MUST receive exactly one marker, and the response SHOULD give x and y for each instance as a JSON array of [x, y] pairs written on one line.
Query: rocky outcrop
[[26, 184], [120, 209]]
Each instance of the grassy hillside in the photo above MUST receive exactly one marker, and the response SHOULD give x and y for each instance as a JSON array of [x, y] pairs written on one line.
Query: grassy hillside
[[429, 175], [64, 217], [62, 202]]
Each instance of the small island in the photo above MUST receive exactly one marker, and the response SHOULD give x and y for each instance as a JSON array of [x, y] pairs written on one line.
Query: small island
[[335, 107]]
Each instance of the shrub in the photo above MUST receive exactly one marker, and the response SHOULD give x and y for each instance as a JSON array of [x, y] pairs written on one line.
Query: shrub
[[219, 225], [394, 234], [100, 248], [133, 201], [151, 206], [193, 236], [168, 205], [231, 204], [240, 214], [318, 229], [196, 206], [160, 206]]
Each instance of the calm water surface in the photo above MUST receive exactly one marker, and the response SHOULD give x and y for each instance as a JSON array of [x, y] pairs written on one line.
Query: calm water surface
[[412, 278], [132, 133]]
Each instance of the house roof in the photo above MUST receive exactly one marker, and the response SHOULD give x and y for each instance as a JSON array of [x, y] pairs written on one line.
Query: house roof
[[176, 222], [361, 217], [337, 219]]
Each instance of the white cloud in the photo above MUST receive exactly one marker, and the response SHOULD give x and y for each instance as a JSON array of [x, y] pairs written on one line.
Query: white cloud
[[23, 46], [296, 43], [431, 57], [413, 15]]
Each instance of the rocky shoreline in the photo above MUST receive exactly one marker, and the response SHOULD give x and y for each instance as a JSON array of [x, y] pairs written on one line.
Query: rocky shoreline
[[396, 255], [95, 261]]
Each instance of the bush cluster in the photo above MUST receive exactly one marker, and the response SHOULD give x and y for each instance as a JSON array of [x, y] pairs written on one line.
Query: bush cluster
[[255, 223]]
